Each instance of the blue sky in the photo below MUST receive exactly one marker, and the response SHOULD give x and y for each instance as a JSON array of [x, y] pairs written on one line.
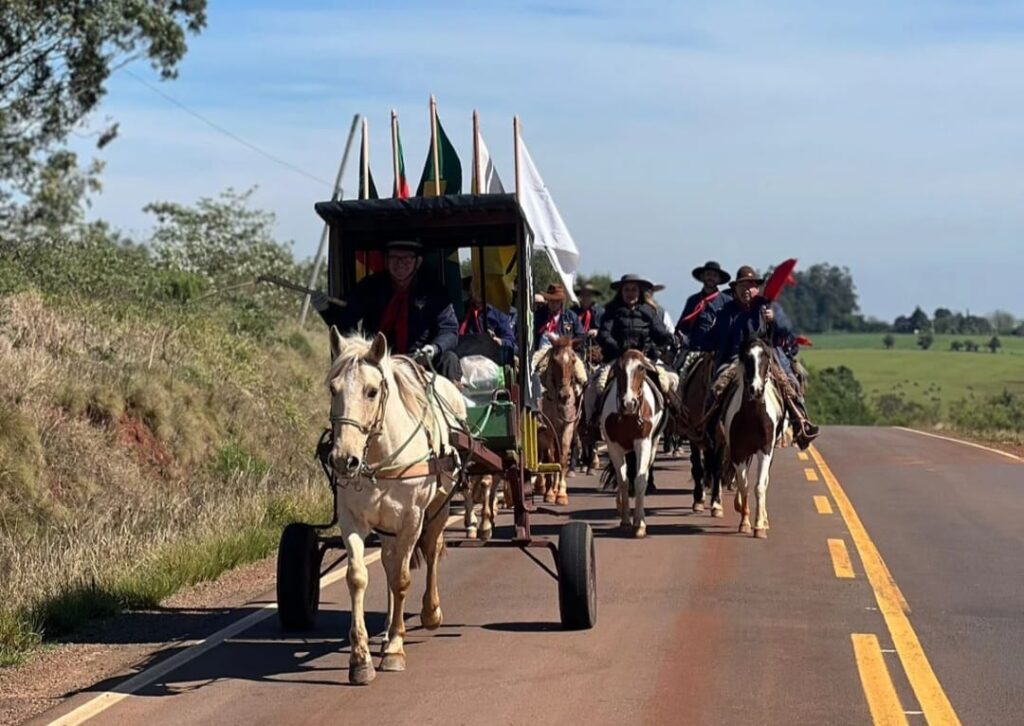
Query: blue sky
[[886, 137]]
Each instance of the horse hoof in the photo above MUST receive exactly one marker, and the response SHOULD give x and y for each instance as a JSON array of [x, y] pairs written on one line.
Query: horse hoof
[[538, 489], [393, 662], [571, 474], [761, 533], [698, 506], [562, 498], [550, 497], [717, 512], [626, 526], [432, 620], [744, 528], [361, 674], [471, 533], [485, 534], [640, 532]]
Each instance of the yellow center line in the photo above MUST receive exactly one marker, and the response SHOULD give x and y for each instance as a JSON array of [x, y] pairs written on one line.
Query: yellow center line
[[822, 504], [840, 559], [883, 702], [930, 695], [811, 474], [802, 455]]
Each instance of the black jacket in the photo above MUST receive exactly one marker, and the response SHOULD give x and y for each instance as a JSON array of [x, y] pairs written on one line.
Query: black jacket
[[630, 328], [431, 317]]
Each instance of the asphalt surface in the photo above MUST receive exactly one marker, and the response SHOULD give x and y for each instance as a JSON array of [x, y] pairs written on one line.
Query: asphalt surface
[[696, 624]]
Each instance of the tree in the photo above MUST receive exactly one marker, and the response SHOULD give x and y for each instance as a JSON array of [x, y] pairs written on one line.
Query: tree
[[889, 341], [1002, 322], [919, 321], [944, 321], [925, 340], [956, 346], [823, 299], [995, 344], [543, 272], [55, 58]]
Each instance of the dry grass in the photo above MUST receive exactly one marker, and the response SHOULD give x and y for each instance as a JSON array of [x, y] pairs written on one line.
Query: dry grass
[[138, 455]]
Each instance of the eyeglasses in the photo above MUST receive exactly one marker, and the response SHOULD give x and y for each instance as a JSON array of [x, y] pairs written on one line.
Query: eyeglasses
[[401, 258]]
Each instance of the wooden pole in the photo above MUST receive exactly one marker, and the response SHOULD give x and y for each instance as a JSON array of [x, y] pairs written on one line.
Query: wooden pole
[[515, 132], [364, 191], [336, 194], [478, 179], [394, 150], [433, 145]]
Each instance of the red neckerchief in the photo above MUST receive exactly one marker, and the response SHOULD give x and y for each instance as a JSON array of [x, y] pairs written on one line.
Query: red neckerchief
[[394, 321], [700, 307], [472, 321], [551, 325], [585, 316]]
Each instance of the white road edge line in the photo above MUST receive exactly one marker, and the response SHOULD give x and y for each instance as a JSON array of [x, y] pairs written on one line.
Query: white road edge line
[[102, 701], [973, 445]]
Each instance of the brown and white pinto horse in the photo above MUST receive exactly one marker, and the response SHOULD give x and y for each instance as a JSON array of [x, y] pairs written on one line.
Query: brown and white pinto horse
[[562, 377], [752, 419], [632, 416]]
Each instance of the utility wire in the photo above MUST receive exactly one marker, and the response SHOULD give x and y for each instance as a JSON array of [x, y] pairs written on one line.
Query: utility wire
[[234, 137]]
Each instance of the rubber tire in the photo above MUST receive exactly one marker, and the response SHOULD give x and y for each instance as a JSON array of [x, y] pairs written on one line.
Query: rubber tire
[[298, 577], [577, 577]]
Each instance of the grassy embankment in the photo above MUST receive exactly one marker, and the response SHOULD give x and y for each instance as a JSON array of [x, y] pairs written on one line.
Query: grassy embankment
[[145, 444]]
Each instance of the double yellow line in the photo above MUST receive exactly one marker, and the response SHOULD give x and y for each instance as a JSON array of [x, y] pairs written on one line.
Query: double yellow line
[[883, 701]]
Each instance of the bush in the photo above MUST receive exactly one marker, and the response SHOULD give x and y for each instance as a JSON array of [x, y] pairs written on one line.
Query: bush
[[893, 409], [836, 397], [1002, 413]]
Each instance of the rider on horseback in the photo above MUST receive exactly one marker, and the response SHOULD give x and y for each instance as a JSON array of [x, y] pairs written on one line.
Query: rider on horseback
[[702, 307], [748, 315]]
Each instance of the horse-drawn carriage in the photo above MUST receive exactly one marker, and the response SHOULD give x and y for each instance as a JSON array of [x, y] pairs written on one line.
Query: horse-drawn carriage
[[498, 436]]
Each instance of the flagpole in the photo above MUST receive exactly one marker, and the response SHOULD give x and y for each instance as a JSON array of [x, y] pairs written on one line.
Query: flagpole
[[364, 192], [515, 132], [433, 144], [477, 175], [394, 150]]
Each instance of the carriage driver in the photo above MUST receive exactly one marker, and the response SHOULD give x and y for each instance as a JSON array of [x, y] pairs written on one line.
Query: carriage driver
[[747, 315], [413, 312]]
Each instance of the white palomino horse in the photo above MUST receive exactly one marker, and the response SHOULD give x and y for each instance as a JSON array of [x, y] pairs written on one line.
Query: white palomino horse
[[391, 423], [753, 419], [632, 416]]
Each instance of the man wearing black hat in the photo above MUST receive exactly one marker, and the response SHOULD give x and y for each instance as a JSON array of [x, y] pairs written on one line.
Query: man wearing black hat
[[748, 315], [702, 307], [413, 313]]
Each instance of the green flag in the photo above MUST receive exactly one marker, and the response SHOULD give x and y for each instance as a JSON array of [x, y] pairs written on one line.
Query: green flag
[[450, 166]]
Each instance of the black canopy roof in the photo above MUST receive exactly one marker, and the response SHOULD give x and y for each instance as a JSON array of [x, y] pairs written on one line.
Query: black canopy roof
[[457, 220]]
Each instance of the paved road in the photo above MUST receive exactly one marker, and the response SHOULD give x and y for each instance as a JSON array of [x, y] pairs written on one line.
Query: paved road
[[697, 624]]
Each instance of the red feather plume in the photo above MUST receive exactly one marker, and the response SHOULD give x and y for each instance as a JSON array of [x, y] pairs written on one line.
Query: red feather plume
[[782, 276]]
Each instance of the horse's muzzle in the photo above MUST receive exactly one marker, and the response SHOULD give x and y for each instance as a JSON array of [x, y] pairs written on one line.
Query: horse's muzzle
[[344, 466]]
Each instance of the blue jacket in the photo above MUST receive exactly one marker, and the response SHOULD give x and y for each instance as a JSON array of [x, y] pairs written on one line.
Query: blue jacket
[[699, 333], [734, 326], [431, 317], [596, 313], [499, 324], [569, 324]]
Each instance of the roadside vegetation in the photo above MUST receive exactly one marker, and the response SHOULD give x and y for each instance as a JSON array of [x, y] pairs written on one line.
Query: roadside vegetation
[[150, 437]]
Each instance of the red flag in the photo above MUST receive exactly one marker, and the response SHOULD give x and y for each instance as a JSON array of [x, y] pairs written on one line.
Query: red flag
[[699, 309], [782, 276], [805, 342]]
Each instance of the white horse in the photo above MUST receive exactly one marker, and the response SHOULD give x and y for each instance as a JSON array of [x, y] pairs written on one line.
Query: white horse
[[631, 420], [392, 423], [752, 420]]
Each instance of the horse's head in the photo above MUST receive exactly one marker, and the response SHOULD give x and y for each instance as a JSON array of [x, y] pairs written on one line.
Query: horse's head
[[630, 373], [756, 358], [561, 370], [358, 384]]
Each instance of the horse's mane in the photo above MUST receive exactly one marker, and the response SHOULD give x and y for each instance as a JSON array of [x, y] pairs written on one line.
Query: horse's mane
[[356, 348]]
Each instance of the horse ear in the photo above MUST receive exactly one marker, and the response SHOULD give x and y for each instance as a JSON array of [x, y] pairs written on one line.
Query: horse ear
[[649, 366], [379, 347], [336, 342]]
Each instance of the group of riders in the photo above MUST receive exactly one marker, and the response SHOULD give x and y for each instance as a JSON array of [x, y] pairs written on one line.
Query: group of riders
[[416, 316]]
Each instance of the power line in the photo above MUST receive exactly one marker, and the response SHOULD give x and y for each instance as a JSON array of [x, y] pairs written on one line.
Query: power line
[[234, 137]]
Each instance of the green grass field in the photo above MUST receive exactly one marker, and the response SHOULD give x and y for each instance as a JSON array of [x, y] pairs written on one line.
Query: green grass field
[[922, 375]]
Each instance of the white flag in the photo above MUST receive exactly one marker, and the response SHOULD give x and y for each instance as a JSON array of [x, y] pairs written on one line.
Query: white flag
[[549, 231], [491, 183]]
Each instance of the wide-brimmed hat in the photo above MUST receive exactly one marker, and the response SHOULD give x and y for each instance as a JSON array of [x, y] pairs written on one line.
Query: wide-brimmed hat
[[657, 287], [404, 245], [712, 266], [554, 293], [587, 287], [747, 274], [641, 281]]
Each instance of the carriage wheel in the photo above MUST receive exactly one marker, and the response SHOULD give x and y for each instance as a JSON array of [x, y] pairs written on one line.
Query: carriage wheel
[[298, 577], [577, 577]]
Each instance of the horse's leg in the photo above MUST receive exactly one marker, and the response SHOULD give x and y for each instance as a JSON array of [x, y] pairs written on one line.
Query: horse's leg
[[562, 496], [360, 665], [395, 555], [487, 494], [644, 464], [764, 465], [618, 462], [713, 468], [743, 496], [469, 498], [432, 545], [697, 474]]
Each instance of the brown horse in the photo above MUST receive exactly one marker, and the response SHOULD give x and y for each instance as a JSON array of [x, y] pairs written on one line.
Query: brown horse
[[562, 379], [690, 406]]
